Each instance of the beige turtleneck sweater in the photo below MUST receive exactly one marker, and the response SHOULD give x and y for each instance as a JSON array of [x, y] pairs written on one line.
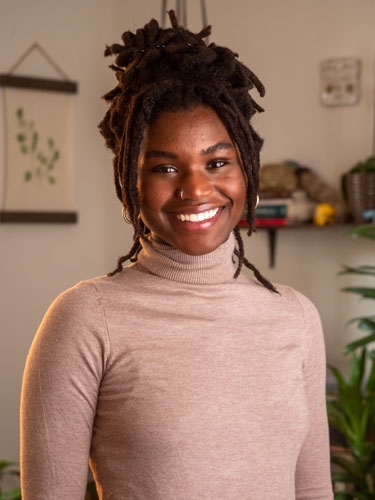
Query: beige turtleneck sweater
[[177, 382]]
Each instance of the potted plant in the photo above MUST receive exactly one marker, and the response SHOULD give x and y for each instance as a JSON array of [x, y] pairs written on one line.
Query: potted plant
[[359, 188], [351, 410]]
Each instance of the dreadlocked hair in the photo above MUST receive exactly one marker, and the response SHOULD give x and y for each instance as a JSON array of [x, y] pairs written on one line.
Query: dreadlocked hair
[[171, 69]]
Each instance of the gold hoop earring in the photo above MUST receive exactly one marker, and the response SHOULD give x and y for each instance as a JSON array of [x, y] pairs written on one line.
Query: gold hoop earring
[[125, 216], [257, 202]]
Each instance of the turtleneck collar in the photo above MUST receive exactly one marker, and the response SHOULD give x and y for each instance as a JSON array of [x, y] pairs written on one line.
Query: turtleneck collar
[[168, 262]]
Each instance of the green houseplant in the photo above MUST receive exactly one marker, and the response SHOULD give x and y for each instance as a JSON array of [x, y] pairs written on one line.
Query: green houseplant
[[9, 469], [351, 410], [358, 186]]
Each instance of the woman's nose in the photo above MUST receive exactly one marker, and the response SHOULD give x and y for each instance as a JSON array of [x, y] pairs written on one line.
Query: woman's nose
[[194, 186]]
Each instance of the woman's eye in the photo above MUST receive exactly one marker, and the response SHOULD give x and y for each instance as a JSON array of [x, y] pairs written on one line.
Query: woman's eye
[[217, 163], [167, 169]]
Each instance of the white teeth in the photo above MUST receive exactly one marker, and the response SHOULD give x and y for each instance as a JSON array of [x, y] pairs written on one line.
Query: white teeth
[[198, 217]]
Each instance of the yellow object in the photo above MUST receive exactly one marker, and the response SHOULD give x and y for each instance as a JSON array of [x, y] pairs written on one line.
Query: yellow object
[[324, 214]]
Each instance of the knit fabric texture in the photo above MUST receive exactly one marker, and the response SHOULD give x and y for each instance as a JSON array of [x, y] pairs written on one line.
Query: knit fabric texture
[[176, 382]]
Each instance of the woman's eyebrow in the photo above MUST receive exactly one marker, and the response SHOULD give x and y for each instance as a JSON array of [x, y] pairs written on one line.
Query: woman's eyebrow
[[215, 147], [160, 154], [155, 153]]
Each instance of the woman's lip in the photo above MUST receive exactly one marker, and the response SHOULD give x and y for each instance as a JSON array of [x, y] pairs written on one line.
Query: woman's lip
[[196, 226]]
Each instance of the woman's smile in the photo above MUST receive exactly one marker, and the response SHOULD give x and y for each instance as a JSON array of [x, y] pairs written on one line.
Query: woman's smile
[[191, 184]]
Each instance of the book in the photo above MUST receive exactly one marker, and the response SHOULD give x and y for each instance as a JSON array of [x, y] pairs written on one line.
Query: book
[[270, 221], [271, 211], [266, 222]]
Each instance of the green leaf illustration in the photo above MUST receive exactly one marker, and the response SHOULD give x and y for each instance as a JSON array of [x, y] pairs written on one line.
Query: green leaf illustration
[[29, 141], [34, 141]]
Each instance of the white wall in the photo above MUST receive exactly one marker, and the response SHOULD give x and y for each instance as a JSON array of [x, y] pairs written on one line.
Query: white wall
[[283, 42]]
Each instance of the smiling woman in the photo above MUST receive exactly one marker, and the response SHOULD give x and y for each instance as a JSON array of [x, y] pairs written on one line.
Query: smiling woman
[[177, 377]]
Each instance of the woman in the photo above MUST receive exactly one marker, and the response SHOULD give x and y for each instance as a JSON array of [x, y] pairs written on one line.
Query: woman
[[177, 376]]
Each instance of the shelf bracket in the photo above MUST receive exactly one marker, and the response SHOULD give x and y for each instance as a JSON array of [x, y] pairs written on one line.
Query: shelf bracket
[[272, 233]]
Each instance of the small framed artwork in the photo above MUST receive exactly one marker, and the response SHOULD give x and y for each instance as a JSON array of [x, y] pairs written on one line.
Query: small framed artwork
[[340, 81], [38, 177]]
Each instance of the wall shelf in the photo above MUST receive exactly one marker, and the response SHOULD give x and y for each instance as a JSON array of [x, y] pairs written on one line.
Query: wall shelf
[[272, 233]]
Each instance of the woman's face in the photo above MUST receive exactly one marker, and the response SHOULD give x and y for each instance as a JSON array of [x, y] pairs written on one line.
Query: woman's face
[[190, 151]]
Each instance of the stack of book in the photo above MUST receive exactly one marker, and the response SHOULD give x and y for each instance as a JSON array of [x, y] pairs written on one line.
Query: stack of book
[[270, 212]]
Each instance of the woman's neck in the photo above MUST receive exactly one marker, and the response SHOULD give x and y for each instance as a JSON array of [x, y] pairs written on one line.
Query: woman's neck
[[167, 262]]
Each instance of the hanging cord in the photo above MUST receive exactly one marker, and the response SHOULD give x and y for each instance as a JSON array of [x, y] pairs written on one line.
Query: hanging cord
[[204, 17], [178, 11], [181, 13], [184, 14], [163, 12], [45, 54]]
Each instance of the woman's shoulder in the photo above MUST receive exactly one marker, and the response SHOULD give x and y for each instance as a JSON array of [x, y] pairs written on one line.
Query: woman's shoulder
[[85, 301], [87, 292], [299, 301], [287, 304], [284, 293], [296, 302]]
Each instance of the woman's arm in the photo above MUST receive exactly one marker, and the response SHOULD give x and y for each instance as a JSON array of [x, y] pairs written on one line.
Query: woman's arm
[[312, 477], [61, 381]]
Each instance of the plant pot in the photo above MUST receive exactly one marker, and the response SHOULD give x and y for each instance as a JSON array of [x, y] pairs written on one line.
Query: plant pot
[[360, 189]]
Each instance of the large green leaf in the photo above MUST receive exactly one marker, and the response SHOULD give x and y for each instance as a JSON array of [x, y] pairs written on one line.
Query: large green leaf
[[364, 231], [343, 477], [360, 318], [370, 384], [356, 368], [359, 343], [363, 451], [342, 425], [365, 418], [365, 292], [350, 398], [343, 495], [340, 379], [349, 466], [367, 270], [4, 464], [14, 494], [358, 495]]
